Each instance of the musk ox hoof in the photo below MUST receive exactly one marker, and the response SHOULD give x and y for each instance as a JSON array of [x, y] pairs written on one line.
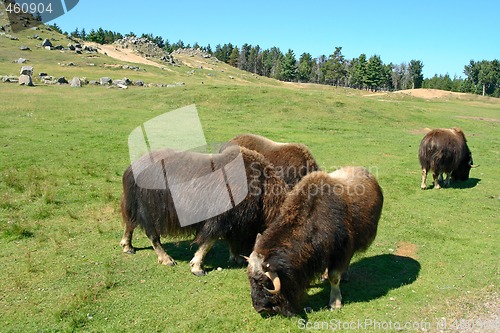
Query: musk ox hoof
[[127, 248], [167, 262], [198, 272], [423, 187], [336, 306]]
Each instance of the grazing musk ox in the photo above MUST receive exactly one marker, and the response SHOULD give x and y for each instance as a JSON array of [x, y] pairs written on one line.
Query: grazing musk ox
[[444, 150], [152, 207], [292, 161], [324, 220]]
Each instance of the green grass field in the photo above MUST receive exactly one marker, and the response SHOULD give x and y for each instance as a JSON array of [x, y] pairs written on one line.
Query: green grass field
[[63, 151]]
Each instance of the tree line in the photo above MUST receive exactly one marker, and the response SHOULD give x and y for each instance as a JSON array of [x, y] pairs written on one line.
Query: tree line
[[363, 72]]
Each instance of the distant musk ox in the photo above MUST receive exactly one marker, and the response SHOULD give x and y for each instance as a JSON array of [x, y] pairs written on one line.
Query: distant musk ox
[[445, 151], [148, 201], [292, 161], [324, 220]]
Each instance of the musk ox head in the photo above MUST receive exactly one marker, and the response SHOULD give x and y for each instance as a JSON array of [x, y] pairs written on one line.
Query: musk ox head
[[268, 297], [463, 169]]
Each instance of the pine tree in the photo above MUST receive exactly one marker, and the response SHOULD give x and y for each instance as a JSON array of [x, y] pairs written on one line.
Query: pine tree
[[374, 73], [233, 57], [289, 67], [305, 68], [358, 72], [334, 69], [415, 68]]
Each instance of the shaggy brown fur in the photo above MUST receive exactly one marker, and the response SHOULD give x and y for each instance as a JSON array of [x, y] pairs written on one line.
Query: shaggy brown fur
[[153, 209], [322, 223], [292, 161], [444, 151]]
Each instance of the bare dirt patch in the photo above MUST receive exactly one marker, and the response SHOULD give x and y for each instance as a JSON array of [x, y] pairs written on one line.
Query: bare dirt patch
[[123, 54], [406, 249], [493, 120], [429, 93]]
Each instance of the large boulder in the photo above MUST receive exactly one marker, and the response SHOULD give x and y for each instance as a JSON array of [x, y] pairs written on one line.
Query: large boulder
[[76, 82], [105, 81], [25, 80], [62, 80], [46, 42]]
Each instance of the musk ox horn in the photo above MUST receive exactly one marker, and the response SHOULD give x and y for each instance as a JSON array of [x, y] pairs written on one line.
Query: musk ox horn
[[474, 166], [245, 257], [276, 282]]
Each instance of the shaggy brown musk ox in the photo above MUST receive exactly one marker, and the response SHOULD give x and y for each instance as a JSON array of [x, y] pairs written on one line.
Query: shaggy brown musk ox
[[152, 207], [292, 161], [324, 220], [445, 150]]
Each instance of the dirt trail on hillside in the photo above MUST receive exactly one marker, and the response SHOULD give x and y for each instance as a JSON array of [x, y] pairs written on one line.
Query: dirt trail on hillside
[[127, 55], [429, 93], [421, 93]]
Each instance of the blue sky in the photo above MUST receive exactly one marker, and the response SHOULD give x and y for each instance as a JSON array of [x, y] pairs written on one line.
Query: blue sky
[[444, 34]]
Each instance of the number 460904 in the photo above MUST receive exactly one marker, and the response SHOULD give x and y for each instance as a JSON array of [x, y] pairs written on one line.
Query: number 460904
[[29, 8]]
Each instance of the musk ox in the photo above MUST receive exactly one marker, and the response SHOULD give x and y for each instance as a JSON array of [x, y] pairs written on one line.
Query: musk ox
[[151, 200], [324, 220], [444, 151], [292, 161]]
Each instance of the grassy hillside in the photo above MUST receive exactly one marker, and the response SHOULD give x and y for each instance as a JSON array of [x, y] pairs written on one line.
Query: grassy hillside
[[63, 151]]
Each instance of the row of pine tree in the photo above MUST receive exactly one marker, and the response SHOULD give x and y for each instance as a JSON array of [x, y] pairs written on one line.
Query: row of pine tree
[[363, 72]]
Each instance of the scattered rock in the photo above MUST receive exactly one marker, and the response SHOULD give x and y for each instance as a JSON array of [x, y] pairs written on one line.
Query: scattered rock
[[62, 80], [46, 42], [139, 83], [25, 80], [21, 61], [193, 52], [122, 86], [105, 81], [24, 48], [76, 82], [10, 79], [26, 70]]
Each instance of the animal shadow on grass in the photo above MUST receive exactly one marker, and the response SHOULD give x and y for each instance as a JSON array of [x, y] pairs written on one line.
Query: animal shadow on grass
[[470, 183], [183, 251], [369, 278], [459, 184]]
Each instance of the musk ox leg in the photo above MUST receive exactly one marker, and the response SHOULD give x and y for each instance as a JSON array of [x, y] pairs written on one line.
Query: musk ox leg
[[197, 261], [335, 296], [423, 186], [447, 180], [435, 177], [163, 257], [126, 242]]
